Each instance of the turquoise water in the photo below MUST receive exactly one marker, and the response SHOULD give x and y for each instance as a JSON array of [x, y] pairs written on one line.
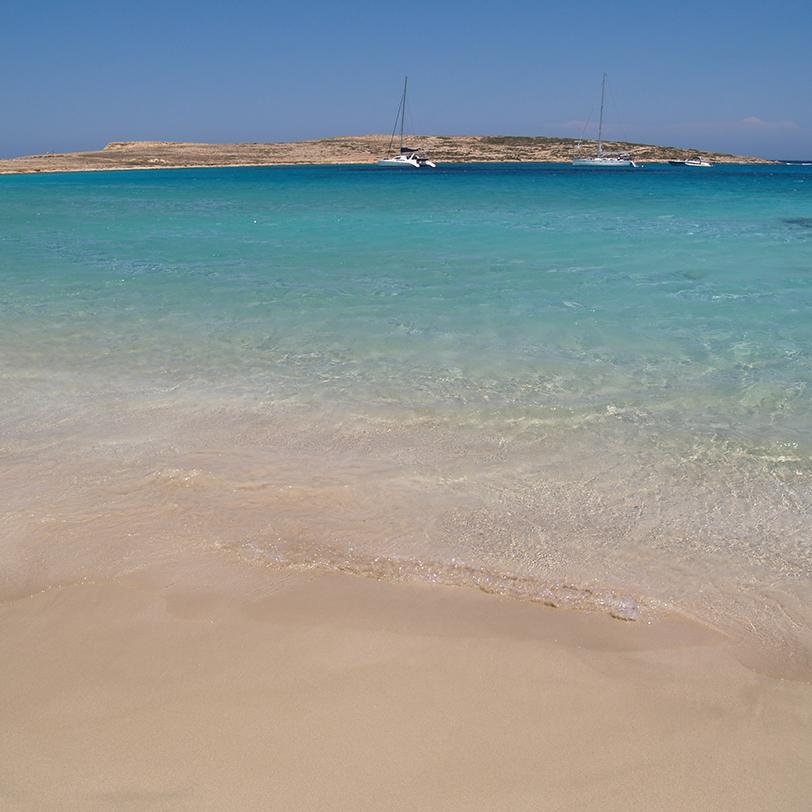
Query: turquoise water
[[590, 381]]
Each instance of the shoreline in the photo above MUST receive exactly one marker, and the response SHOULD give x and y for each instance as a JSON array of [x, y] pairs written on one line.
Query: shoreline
[[204, 682]]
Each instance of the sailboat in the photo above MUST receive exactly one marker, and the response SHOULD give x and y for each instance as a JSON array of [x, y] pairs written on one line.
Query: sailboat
[[406, 156], [601, 159]]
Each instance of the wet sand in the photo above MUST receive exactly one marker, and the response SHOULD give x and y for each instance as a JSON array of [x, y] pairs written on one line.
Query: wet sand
[[208, 683]]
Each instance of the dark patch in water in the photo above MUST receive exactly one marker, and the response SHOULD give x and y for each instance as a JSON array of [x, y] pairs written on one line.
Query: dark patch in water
[[801, 222]]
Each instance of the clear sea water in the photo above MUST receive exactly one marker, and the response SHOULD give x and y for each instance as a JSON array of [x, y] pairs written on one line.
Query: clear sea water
[[592, 388]]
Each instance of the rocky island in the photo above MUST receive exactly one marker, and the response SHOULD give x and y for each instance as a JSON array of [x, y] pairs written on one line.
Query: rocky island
[[340, 150]]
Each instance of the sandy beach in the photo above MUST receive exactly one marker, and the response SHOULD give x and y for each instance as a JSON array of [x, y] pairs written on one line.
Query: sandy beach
[[208, 683], [405, 410]]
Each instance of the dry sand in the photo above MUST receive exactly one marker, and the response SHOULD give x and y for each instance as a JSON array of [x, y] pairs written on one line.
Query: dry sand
[[341, 150], [208, 683]]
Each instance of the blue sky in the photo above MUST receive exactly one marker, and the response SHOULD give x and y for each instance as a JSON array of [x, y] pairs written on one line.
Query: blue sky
[[725, 76]]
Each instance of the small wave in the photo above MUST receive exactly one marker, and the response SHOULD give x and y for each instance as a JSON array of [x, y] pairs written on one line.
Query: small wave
[[454, 573]]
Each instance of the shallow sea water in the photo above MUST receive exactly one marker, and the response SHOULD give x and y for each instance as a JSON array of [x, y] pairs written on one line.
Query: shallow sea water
[[589, 388]]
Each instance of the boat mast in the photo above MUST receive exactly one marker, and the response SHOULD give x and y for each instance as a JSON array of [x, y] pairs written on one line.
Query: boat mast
[[600, 121], [403, 112]]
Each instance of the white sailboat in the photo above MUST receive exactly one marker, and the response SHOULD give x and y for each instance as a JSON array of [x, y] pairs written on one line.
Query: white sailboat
[[407, 157], [602, 159]]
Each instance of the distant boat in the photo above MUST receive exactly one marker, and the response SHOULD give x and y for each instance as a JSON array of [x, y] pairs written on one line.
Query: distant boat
[[602, 159], [692, 162], [407, 156]]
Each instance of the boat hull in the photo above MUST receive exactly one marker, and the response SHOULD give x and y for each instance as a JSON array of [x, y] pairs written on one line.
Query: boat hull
[[605, 163], [406, 163], [399, 163]]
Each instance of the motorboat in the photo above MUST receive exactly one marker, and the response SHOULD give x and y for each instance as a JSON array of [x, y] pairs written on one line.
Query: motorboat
[[692, 162]]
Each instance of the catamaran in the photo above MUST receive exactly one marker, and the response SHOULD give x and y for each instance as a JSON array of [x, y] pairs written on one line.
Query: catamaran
[[407, 156], [602, 159]]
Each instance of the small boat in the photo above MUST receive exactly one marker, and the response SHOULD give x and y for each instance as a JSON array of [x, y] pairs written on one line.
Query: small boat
[[601, 159], [406, 156], [692, 162]]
